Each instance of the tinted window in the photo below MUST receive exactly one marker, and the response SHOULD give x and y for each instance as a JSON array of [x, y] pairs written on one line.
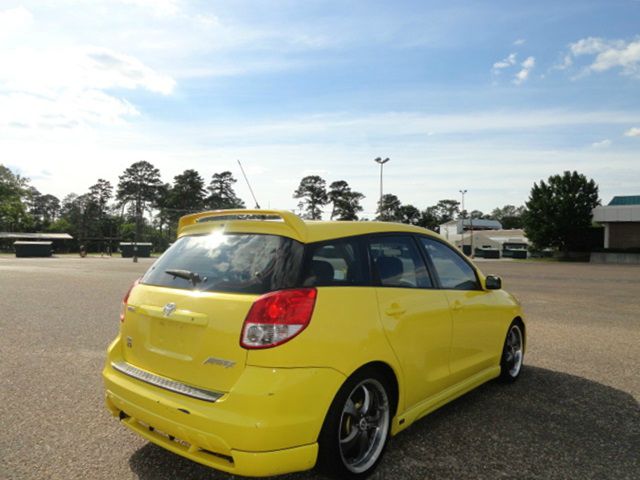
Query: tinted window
[[337, 262], [242, 263], [398, 263], [454, 272]]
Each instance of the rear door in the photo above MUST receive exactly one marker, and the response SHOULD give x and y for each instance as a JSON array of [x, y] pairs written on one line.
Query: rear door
[[414, 314], [184, 320]]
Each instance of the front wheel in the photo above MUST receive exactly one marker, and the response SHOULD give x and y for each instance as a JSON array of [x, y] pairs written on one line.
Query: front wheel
[[512, 353], [356, 429]]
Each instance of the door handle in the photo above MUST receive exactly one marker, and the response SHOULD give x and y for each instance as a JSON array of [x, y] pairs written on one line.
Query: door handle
[[457, 305], [395, 310]]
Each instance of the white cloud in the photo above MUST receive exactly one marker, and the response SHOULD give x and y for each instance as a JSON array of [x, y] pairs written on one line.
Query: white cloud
[[520, 41], [633, 132], [64, 110], [344, 128], [609, 54], [602, 144], [567, 61], [14, 20], [589, 46], [107, 69], [509, 62], [523, 74], [627, 58], [67, 87], [157, 7], [46, 70], [505, 62]]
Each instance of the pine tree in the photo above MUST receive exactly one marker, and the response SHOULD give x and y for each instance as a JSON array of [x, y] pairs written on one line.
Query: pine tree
[[221, 192], [313, 192], [346, 202]]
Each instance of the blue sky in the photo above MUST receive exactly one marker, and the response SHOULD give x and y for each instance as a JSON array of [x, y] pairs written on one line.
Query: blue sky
[[485, 96]]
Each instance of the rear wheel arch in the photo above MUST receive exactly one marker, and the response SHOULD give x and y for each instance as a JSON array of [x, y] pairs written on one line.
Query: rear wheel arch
[[392, 381], [331, 456]]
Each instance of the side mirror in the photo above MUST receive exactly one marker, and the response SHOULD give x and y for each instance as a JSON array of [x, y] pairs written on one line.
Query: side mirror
[[493, 282]]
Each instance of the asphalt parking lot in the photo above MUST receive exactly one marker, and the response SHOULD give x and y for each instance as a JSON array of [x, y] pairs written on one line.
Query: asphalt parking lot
[[573, 414]]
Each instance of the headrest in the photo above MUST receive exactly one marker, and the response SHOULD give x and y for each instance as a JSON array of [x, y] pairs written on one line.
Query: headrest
[[323, 271], [389, 267]]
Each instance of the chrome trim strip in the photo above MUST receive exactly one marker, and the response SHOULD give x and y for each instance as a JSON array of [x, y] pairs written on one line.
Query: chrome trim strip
[[166, 383]]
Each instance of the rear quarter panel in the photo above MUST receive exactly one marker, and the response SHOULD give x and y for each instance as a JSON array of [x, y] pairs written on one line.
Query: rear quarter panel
[[344, 334]]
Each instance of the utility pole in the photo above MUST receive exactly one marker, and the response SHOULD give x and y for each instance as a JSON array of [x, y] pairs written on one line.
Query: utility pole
[[381, 162]]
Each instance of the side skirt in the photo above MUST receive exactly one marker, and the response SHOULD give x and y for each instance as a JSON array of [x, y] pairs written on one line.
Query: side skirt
[[400, 422]]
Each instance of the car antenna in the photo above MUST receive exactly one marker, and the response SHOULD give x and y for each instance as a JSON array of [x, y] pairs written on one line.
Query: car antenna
[[248, 185]]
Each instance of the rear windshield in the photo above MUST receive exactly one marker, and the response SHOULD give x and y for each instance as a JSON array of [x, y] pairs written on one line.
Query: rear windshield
[[239, 263]]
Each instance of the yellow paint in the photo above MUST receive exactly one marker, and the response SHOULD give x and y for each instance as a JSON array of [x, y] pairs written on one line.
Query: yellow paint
[[439, 344]]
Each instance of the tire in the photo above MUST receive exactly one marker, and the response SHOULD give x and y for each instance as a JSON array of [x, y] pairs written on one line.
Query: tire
[[512, 353], [356, 429]]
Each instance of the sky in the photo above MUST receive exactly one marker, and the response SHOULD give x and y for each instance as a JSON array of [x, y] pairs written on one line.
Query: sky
[[485, 96]]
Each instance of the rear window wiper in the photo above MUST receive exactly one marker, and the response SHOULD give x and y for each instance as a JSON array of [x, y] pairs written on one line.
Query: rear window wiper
[[193, 277]]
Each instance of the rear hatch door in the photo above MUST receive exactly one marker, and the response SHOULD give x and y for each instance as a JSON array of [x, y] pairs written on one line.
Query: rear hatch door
[[184, 320], [186, 336]]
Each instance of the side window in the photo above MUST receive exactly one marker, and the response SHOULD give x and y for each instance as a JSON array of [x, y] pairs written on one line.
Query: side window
[[454, 272], [398, 263], [334, 263]]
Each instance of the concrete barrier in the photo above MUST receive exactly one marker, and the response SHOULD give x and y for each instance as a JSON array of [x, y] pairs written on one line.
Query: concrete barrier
[[610, 257]]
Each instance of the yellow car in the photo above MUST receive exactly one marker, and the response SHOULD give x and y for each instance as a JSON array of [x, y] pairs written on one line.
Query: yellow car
[[261, 344]]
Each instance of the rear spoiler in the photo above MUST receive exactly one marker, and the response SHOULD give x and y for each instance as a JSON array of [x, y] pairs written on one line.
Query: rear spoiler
[[290, 219]]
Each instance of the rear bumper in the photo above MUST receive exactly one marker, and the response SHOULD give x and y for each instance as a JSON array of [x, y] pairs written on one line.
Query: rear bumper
[[268, 424]]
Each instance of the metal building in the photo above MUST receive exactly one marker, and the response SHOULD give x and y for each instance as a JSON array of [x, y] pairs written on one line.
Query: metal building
[[621, 221]]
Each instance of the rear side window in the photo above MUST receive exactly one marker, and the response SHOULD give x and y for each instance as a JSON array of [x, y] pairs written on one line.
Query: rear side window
[[398, 263], [240, 263], [453, 271], [335, 263]]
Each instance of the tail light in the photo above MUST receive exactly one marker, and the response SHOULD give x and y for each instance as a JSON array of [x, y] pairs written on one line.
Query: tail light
[[277, 317], [123, 307]]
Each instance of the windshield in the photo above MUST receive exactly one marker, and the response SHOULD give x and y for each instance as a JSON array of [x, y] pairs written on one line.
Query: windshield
[[239, 263]]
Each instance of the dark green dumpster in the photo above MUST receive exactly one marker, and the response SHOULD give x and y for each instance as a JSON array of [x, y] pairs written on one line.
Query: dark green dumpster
[[487, 252], [514, 250], [140, 249], [518, 254], [33, 249]]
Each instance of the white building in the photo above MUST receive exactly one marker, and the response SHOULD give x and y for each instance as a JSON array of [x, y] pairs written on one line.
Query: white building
[[454, 230]]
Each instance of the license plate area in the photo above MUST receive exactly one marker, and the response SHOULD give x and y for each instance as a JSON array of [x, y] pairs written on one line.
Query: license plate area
[[175, 337]]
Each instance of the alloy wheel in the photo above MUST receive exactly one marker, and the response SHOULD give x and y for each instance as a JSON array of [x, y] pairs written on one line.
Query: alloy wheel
[[364, 425], [513, 351]]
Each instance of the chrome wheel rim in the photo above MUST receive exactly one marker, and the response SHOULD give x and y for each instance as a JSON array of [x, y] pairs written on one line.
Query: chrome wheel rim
[[364, 425], [513, 351]]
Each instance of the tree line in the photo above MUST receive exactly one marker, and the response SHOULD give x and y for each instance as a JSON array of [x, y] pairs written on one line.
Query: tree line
[[142, 207], [345, 204]]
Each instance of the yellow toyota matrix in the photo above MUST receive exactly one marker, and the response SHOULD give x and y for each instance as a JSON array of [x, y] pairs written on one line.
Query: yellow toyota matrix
[[261, 344]]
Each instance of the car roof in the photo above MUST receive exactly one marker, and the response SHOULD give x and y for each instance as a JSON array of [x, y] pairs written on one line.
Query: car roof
[[285, 223]]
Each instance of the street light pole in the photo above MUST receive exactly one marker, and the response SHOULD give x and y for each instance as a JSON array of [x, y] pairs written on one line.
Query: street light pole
[[462, 212], [462, 205], [381, 162]]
